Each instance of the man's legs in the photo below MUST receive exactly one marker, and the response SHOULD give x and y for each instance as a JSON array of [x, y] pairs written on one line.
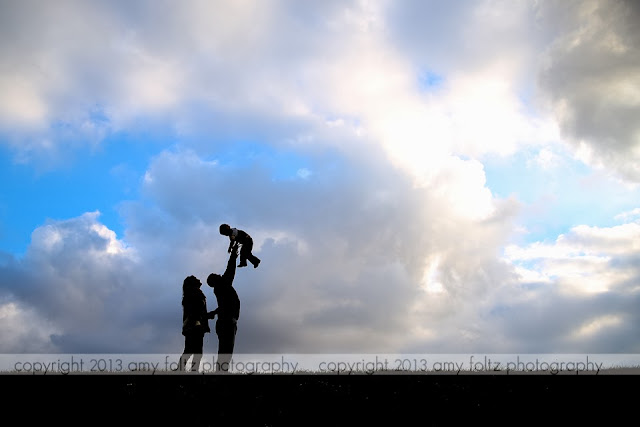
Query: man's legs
[[183, 361], [226, 331]]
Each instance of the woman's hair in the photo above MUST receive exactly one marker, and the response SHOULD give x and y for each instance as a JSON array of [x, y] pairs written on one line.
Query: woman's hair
[[190, 284]]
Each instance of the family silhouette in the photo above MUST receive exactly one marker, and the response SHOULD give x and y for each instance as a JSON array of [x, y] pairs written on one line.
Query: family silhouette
[[195, 317]]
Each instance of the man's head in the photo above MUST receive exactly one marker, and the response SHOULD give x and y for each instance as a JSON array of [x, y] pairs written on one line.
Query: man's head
[[225, 229], [213, 279]]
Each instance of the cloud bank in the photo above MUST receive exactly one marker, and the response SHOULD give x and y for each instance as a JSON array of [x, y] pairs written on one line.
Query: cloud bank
[[350, 140]]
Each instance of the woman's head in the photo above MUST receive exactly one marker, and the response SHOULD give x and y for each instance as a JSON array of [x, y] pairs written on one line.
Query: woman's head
[[191, 283]]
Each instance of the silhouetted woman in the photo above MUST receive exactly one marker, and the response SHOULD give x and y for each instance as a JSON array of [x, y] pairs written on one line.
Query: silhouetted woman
[[195, 322]]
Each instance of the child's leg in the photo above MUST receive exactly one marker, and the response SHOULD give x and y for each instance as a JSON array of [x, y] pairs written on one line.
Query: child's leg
[[250, 256], [243, 255]]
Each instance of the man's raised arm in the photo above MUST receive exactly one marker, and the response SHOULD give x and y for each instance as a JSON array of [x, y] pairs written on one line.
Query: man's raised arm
[[230, 272]]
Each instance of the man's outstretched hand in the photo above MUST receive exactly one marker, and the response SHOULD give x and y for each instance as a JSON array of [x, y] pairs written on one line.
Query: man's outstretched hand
[[233, 250]]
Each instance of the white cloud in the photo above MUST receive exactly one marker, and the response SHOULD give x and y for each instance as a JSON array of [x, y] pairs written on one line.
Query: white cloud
[[586, 260], [304, 173], [22, 329], [21, 104], [84, 290], [594, 326], [625, 216], [546, 159]]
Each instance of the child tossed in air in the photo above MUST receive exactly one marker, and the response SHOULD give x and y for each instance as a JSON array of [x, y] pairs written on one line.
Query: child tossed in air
[[244, 240]]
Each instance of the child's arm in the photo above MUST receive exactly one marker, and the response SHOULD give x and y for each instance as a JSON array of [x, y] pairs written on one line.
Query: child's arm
[[233, 240]]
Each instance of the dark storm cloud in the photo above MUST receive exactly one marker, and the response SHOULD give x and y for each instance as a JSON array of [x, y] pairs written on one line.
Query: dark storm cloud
[[592, 77]]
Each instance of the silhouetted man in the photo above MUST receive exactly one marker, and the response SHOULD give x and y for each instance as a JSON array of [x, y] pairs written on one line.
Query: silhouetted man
[[228, 311]]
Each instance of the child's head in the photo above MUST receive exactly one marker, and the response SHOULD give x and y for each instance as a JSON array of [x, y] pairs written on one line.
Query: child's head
[[225, 230]]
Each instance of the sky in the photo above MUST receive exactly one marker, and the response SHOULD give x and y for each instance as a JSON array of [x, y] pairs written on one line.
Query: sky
[[418, 176]]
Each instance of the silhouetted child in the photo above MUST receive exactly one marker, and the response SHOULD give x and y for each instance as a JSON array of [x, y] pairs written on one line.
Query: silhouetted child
[[244, 240]]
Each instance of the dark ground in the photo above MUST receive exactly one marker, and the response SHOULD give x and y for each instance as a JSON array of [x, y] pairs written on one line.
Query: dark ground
[[331, 400]]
